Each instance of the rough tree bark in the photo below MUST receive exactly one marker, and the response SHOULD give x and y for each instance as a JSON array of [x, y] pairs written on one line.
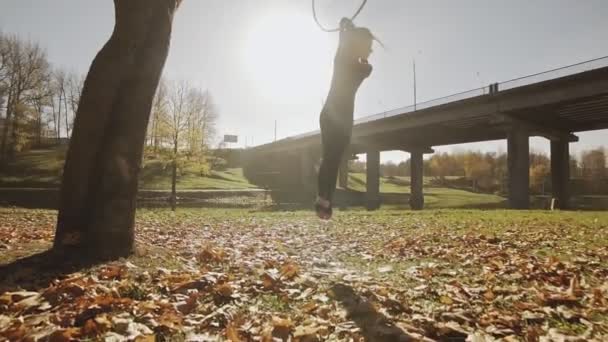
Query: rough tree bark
[[98, 191]]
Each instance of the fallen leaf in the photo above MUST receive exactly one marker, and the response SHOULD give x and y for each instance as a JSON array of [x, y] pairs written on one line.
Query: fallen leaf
[[232, 333], [112, 272], [65, 335], [289, 271], [446, 300], [281, 327]]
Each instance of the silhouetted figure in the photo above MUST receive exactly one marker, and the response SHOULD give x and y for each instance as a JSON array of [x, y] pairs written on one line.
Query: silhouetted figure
[[350, 69]]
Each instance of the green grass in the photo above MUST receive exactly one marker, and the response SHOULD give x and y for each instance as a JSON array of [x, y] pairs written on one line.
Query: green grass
[[434, 197], [43, 168]]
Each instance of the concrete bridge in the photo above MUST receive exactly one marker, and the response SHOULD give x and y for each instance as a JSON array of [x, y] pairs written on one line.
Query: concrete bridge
[[553, 104]]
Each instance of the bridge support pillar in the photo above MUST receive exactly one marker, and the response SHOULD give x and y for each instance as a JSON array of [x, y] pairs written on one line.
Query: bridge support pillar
[[373, 180], [305, 167], [560, 172], [343, 175], [307, 176], [518, 163], [416, 180]]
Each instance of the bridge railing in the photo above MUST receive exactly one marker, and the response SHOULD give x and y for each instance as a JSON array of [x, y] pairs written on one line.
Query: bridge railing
[[510, 84], [555, 73], [427, 104]]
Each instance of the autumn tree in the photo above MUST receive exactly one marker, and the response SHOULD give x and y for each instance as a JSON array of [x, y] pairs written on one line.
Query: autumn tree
[[477, 168], [156, 131], [188, 121], [444, 164], [99, 185], [593, 164]]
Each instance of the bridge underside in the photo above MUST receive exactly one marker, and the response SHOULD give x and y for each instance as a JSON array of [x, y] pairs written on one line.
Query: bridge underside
[[553, 109]]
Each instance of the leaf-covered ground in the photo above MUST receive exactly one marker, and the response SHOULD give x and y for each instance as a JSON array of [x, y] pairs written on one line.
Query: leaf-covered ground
[[207, 275]]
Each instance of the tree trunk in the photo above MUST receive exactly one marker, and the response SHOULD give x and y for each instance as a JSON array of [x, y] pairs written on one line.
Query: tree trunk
[[5, 130], [174, 175], [39, 123], [174, 185], [98, 191], [58, 124], [67, 122]]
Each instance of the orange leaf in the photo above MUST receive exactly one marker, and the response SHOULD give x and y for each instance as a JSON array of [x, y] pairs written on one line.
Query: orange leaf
[[281, 328], [170, 320], [91, 328], [289, 271], [232, 333], [224, 290], [14, 333], [189, 305], [65, 335], [209, 254], [111, 272], [269, 282]]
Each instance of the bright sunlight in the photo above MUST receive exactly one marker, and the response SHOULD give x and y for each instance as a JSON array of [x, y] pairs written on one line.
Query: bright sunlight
[[285, 55]]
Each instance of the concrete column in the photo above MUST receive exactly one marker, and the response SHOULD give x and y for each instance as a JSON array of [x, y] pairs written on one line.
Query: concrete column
[[372, 180], [307, 186], [343, 175], [560, 172], [416, 181], [518, 160]]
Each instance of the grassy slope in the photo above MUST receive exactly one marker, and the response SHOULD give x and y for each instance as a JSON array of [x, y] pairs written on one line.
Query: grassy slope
[[42, 168], [434, 196]]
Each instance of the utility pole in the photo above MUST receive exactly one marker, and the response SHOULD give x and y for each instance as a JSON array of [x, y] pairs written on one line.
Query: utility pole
[[275, 130], [414, 83]]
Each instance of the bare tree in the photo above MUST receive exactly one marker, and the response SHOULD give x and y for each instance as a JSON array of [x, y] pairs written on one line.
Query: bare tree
[[60, 103], [27, 71], [75, 83], [3, 67], [40, 103], [176, 121], [99, 186], [159, 111]]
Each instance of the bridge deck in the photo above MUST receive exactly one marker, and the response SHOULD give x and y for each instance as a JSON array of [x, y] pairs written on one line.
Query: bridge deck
[[551, 104]]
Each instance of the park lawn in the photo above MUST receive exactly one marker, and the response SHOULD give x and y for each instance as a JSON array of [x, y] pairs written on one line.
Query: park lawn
[[434, 197], [240, 274], [43, 168]]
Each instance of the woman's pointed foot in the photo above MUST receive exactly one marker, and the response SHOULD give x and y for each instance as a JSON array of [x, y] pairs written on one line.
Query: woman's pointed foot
[[323, 208]]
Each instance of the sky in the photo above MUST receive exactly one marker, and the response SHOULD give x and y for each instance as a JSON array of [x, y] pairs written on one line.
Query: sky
[[266, 60]]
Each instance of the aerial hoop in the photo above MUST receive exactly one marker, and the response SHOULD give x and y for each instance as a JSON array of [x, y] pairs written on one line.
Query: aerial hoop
[[314, 14]]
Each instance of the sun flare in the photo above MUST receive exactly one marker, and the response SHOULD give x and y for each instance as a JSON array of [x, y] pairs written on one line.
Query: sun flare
[[286, 55]]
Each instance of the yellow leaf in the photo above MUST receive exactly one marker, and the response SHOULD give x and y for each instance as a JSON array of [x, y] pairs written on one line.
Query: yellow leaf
[[145, 338], [446, 300]]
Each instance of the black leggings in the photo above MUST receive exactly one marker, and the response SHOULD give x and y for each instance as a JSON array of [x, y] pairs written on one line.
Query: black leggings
[[335, 136]]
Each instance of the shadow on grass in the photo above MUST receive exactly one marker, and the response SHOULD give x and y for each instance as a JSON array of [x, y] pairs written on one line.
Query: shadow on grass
[[37, 271], [375, 327]]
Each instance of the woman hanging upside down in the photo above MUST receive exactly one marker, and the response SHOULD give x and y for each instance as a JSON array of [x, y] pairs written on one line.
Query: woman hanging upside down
[[350, 69]]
